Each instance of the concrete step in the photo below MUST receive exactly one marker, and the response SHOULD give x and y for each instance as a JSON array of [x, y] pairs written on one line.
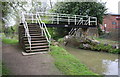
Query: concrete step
[[37, 47], [38, 34], [35, 36], [35, 41], [34, 32], [37, 50], [42, 38], [37, 44]]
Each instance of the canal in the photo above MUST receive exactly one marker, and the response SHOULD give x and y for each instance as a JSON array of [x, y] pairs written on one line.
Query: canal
[[99, 62]]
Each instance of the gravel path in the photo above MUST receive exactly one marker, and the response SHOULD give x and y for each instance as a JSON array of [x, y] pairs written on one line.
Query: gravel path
[[39, 64]]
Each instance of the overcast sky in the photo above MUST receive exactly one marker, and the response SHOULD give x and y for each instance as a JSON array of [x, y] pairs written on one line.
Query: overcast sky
[[112, 6]]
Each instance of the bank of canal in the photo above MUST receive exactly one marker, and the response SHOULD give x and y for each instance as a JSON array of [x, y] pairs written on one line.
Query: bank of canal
[[98, 62]]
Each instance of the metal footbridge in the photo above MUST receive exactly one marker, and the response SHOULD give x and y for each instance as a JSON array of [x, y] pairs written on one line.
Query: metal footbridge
[[62, 20], [34, 35]]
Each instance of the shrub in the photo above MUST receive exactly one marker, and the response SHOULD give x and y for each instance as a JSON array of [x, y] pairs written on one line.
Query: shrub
[[60, 40]]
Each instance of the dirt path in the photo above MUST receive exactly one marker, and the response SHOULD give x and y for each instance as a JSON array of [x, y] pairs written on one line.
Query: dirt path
[[40, 64]]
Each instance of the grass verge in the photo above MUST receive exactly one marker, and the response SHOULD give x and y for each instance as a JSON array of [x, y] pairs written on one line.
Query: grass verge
[[3, 69], [9, 41], [67, 63], [107, 41]]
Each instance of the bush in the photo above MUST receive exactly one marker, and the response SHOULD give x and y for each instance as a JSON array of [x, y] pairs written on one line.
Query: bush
[[81, 46], [107, 48], [60, 40]]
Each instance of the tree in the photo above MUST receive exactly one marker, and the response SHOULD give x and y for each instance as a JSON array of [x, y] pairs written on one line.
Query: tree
[[95, 9], [12, 10]]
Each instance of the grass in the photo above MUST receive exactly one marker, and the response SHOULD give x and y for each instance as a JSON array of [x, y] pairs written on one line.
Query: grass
[[108, 48], [60, 40], [102, 40], [67, 63], [3, 69], [9, 41]]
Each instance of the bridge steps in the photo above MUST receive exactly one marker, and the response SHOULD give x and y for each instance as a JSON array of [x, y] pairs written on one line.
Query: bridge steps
[[38, 42]]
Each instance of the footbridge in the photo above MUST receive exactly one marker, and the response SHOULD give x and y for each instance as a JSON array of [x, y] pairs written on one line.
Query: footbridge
[[62, 20], [33, 33]]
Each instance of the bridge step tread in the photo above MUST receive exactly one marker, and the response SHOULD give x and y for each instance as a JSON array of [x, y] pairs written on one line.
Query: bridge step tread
[[38, 34], [36, 37], [37, 50], [37, 47], [38, 44], [36, 41]]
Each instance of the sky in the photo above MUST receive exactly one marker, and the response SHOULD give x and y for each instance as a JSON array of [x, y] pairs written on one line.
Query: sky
[[112, 6]]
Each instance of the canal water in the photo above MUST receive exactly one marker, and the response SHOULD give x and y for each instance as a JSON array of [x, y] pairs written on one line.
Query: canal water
[[99, 62]]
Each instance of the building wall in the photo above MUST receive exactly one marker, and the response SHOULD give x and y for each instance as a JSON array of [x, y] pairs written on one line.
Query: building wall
[[111, 22]]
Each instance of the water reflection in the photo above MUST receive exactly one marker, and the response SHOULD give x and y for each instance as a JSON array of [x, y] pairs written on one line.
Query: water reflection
[[110, 66], [99, 62]]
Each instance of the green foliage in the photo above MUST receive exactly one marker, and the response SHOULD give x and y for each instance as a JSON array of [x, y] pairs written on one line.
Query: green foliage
[[3, 69], [60, 40], [100, 32], [67, 63], [57, 33], [81, 46], [107, 48], [9, 41], [115, 51], [52, 32], [95, 9]]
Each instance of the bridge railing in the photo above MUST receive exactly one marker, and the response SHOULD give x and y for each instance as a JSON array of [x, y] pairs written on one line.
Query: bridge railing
[[27, 34], [36, 18], [56, 18]]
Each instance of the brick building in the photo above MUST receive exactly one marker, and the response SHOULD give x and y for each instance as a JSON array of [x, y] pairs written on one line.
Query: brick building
[[110, 22]]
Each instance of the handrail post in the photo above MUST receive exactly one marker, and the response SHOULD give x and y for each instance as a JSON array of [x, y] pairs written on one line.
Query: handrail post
[[57, 18], [26, 30], [68, 20], [89, 20], [42, 29], [96, 21], [75, 19]]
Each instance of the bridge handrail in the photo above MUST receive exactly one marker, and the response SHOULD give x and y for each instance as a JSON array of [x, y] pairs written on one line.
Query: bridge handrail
[[44, 29], [26, 30], [69, 18]]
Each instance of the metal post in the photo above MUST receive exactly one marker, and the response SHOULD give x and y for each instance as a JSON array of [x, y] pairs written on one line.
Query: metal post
[[42, 29], [75, 19], [89, 21], [68, 20], [96, 21], [57, 18]]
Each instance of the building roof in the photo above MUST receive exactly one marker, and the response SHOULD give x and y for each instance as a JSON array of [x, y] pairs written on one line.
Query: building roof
[[112, 14]]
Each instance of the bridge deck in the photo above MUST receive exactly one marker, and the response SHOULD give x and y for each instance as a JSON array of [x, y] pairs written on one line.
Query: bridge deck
[[63, 25]]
